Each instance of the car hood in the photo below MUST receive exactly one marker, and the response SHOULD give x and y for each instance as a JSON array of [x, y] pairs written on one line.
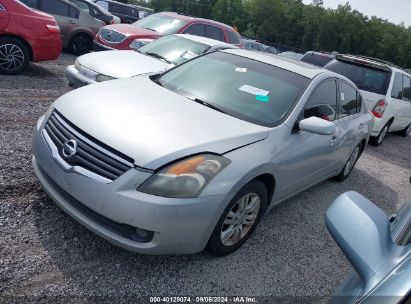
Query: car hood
[[151, 124], [133, 31], [122, 64]]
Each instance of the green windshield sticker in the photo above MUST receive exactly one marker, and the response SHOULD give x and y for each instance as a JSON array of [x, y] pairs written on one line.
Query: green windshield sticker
[[262, 98]]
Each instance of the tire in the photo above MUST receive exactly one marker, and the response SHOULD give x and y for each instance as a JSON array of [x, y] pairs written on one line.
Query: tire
[[237, 213], [14, 56], [350, 164], [377, 140], [80, 44], [406, 131]]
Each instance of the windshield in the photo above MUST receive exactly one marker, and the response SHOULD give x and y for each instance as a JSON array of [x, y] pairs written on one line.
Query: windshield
[[365, 78], [174, 49], [161, 23], [249, 90], [316, 59]]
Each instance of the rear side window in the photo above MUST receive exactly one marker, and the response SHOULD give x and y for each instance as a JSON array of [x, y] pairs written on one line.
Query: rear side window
[[323, 102], [316, 59], [406, 88], [115, 8], [214, 33], [55, 7], [348, 100], [396, 91], [195, 29], [233, 38], [365, 77]]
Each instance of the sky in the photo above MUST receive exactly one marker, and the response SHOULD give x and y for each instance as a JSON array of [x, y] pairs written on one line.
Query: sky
[[395, 11]]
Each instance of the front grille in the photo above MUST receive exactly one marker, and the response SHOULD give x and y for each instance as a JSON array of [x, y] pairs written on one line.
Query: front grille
[[90, 154], [111, 36]]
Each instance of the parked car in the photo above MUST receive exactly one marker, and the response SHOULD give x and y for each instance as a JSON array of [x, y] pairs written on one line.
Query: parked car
[[126, 12], [378, 248], [291, 55], [193, 157], [144, 11], [386, 91], [319, 59], [125, 36], [96, 11], [155, 57], [77, 28], [26, 35], [255, 45]]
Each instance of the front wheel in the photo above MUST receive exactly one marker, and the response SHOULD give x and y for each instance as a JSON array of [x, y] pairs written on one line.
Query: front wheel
[[14, 56], [239, 219], [376, 141], [350, 164]]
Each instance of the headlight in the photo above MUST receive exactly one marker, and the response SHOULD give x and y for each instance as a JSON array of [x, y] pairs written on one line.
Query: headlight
[[102, 77], [186, 178], [138, 43], [77, 65]]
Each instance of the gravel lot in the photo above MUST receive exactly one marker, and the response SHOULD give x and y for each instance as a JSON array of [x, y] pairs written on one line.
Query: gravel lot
[[46, 255]]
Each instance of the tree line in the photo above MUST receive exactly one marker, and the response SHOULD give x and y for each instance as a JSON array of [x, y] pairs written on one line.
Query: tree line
[[307, 27]]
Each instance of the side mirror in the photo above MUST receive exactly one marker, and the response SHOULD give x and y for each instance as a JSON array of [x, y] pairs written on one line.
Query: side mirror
[[317, 126], [363, 233]]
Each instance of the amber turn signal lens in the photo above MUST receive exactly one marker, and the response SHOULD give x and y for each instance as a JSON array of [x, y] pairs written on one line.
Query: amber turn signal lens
[[186, 166]]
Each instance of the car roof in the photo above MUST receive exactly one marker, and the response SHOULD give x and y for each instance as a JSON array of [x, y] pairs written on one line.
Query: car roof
[[190, 18], [207, 41], [298, 67]]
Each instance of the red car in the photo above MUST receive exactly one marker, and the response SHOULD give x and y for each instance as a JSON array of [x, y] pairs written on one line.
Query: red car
[[133, 36], [26, 35]]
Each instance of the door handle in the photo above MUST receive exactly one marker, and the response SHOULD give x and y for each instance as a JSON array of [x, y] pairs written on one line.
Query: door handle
[[333, 140]]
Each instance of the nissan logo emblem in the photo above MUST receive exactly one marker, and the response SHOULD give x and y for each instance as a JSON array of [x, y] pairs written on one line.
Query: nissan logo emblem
[[69, 148]]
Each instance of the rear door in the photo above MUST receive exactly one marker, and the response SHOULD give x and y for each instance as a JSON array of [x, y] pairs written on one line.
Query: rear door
[[4, 17], [351, 124], [66, 15]]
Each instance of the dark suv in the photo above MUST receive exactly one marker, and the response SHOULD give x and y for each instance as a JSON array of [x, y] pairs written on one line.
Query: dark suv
[[127, 13]]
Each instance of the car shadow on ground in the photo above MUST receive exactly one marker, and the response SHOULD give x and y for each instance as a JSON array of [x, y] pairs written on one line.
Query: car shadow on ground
[[291, 252]]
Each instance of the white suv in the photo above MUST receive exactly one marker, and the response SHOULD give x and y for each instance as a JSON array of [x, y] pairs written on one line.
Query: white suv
[[385, 89]]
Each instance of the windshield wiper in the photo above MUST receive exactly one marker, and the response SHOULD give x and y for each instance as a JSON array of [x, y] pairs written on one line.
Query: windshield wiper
[[209, 105], [155, 55]]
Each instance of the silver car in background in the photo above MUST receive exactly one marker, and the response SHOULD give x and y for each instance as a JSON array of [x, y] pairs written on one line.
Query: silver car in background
[[194, 157], [155, 57]]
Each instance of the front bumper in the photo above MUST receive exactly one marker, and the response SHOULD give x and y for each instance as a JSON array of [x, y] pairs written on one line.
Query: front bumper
[[109, 209], [78, 78]]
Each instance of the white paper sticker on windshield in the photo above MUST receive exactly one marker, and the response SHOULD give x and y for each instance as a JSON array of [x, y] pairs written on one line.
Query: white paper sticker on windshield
[[252, 90], [241, 70], [342, 96], [189, 55]]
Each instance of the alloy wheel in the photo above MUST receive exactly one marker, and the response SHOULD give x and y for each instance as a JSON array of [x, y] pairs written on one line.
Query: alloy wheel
[[11, 57], [240, 219], [351, 161]]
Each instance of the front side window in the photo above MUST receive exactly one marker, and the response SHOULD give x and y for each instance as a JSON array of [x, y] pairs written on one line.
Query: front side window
[[195, 29], [30, 3], [406, 88], [323, 102], [348, 100], [250, 90], [55, 7], [115, 8], [174, 49], [83, 6], [161, 23], [214, 32]]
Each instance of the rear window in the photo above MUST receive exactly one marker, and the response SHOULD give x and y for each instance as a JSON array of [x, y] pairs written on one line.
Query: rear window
[[233, 38], [366, 78], [316, 59], [250, 90]]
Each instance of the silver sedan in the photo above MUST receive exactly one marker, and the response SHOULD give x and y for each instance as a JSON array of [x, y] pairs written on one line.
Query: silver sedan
[[157, 56], [194, 157]]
